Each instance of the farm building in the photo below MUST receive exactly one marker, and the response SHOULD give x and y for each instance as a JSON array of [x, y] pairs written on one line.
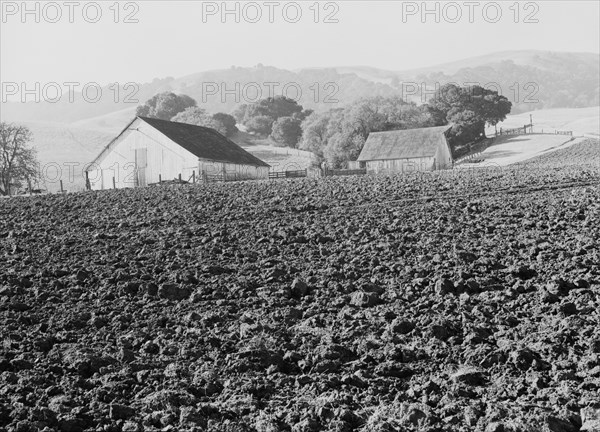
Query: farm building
[[397, 151], [149, 149]]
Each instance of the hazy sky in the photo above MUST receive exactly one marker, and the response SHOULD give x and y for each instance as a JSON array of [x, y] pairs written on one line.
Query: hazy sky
[[176, 38]]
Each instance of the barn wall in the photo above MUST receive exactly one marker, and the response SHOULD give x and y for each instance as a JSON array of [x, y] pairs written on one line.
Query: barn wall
[[232, 170], [443, 157], [394, 166]]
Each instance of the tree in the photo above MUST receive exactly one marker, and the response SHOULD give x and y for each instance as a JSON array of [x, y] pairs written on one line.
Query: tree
[[341, 148], [261, 125], [255, 116], [275, 107], [165, 106], [18, 161], [287, 131], [315, 132], [199, 117], [240, 113], [302, 114], [469, 109], [228, 122]]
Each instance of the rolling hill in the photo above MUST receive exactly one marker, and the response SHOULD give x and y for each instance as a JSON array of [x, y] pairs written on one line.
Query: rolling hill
[[544, 80]]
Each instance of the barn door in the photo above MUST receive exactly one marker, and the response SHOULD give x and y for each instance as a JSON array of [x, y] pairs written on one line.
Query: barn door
[[141, 163]]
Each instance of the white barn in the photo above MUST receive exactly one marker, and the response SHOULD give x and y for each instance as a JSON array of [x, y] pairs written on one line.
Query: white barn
[[150, 149], [390, 152]]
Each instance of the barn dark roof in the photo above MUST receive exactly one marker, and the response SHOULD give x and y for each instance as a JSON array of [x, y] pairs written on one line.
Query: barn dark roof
[[205, 143], [403, 144]]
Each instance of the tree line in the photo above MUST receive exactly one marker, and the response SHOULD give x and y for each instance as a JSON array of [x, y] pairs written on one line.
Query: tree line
[[338, 135], [184, 109]]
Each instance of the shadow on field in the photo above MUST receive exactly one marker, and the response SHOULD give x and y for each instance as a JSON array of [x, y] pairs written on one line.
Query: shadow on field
[[511, 140], [500, 153]]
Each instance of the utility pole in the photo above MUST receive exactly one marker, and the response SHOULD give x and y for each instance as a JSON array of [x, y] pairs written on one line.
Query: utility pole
[[530, 123]]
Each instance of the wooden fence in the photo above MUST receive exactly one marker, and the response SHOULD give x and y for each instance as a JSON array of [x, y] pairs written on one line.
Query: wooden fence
[[203, 178], [525, 129], [226, 177], [287, 174], [528, 129], [343, 172], [320, 173]]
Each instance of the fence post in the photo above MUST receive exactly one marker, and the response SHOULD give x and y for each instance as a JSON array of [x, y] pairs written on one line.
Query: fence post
[[194, 177], [179, 177], [114, 184], [159, 179], [61, 187]]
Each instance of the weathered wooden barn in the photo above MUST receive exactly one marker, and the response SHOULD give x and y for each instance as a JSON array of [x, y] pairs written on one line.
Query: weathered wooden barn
[[150, 149], [397, 151]]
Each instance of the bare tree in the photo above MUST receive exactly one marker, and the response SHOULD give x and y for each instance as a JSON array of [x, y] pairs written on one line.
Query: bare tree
[[18, 160]]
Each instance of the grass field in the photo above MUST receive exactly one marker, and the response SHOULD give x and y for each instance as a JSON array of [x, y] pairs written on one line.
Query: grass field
[[507, 150], [280, 158], [579, 120]]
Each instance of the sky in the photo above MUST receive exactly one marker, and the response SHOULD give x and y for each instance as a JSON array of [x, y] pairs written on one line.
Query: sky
[[79, 41]]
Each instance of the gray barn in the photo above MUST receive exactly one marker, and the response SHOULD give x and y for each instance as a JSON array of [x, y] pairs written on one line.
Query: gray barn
[[398, 151]]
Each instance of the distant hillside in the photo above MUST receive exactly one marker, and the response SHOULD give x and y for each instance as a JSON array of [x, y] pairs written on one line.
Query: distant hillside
[[545, 79], [539, 59], [320, 89], [316, 89], [63, 152], [65, 111], [111, 123]]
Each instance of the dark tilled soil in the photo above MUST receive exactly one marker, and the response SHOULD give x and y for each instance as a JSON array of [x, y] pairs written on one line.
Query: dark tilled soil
[[460, 301]]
